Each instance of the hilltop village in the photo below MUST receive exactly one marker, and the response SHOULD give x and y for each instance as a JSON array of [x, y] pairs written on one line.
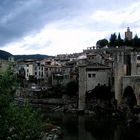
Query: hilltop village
[[112, 71]]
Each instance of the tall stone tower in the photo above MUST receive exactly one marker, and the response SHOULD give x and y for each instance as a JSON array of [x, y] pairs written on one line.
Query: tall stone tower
[[82, 87], [128, 34], [119, 72], [125, 73], [133, 63]]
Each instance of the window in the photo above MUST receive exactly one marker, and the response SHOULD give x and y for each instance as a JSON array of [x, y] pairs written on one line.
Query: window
[[138, 57], [89, 75]]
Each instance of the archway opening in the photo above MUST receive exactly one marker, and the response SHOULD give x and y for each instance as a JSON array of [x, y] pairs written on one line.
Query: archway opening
[[129, 97]]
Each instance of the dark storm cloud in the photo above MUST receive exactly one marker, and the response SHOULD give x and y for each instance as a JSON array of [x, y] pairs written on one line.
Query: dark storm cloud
[[22, 17]]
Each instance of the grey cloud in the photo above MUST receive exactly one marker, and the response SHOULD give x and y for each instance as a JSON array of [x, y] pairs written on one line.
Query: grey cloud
[[21, 17], [37, 46], [131, 24]]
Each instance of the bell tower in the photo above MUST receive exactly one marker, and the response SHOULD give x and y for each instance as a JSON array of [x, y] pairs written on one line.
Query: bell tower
[[128, 34]]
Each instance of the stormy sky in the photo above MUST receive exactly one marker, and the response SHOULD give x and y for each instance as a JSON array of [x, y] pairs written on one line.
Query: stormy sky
[[63, 26]]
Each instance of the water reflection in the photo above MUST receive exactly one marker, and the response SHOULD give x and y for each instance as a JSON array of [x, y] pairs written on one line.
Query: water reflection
[[76, 127]]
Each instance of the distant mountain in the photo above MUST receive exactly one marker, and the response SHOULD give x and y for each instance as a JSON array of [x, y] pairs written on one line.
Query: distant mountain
[[5, 55], [33, 56]]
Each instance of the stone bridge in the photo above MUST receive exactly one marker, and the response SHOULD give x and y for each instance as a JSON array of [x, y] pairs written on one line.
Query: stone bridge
[[134, 82]]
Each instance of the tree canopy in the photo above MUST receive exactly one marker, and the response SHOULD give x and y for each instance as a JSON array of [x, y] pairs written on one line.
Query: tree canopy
[[113, 40], [101, 43], [117, 41]]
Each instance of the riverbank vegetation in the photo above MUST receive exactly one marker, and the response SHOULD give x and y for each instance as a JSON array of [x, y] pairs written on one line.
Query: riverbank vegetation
[[16, 122], [23, 122]]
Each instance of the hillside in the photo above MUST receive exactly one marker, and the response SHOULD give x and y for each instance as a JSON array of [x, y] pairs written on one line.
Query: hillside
[[5, 55], [33, 56]]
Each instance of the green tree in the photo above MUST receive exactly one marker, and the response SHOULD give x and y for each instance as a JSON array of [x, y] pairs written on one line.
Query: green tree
[[113, 40], [101, 43], [120, 41], [128, 42], [136, 41], [16, 122], [8, 83], [23, 122]]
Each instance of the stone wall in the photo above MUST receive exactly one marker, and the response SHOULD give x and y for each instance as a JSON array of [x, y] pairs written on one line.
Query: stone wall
[[82, 87], [89, 77], [119, 72], [134, 82], [95, 77]]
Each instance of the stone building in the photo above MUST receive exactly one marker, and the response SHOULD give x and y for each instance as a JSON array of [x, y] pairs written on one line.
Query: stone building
[[124, 64], [32, 68], [90, 74], [127, 73]]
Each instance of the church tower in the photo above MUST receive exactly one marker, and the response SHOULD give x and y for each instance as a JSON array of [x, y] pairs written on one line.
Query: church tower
[[128, 34]]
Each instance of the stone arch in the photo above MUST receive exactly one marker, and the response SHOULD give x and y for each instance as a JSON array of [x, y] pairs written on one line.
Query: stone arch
[[129, 97]]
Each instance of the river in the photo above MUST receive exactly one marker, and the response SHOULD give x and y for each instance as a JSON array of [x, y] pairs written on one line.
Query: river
[[86, 127]]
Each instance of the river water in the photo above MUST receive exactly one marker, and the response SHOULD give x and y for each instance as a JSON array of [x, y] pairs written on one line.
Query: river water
[[85, 127]]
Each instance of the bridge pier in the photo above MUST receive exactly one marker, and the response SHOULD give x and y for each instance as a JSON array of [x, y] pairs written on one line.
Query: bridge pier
[[82, 87]]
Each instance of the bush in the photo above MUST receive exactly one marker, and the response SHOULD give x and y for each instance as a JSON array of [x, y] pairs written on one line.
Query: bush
[[23, 122], [16, 122]]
